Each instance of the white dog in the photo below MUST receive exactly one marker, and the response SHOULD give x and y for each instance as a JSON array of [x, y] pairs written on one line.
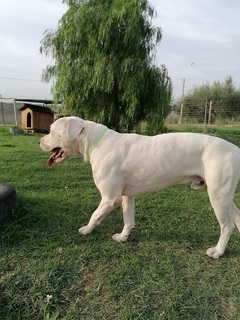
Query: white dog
[[126, 165]]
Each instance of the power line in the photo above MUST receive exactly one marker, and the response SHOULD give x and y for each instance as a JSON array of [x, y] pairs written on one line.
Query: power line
[[193, 62]]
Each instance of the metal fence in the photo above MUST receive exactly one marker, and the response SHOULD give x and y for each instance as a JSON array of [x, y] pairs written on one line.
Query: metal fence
[[200, 112], [205, 112], [9, 112]]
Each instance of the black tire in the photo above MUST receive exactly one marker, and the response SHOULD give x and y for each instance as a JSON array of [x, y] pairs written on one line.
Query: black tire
[[8, 200]]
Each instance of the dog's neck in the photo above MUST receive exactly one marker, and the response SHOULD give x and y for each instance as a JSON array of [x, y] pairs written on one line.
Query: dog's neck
[[90, 137], [97, 141]]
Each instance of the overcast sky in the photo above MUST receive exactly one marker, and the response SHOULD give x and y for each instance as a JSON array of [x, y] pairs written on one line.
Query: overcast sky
[[200, 43]]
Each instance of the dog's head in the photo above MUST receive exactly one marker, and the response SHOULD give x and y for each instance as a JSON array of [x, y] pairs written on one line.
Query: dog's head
[[62, 139]]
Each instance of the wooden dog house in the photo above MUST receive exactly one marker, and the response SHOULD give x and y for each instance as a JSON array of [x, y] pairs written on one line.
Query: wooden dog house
[[36, 118]]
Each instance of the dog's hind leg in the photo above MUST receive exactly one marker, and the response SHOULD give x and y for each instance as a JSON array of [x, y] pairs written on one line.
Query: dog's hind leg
[[128, 218], [235, 214], [104, 208], [222, 209]]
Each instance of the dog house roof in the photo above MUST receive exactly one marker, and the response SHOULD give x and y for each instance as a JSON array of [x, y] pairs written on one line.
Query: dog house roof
[[37, 108]]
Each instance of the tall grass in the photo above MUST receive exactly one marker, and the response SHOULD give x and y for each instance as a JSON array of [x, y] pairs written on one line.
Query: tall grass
[[48, 271]]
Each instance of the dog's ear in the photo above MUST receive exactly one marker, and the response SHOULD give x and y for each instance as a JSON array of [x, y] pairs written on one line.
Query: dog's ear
[[74, 128]]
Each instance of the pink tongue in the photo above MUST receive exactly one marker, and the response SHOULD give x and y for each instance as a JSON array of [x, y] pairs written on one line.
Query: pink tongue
[[50, 162], [51, 159]]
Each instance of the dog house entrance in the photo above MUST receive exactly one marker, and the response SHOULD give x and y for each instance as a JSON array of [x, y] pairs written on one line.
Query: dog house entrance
[[29, 120]]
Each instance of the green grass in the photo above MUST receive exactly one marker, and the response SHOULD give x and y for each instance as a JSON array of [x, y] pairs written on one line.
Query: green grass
[[162, 272]]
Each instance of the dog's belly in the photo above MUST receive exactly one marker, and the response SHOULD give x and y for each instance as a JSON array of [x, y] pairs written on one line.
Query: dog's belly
[[160, 172], [136, 187]]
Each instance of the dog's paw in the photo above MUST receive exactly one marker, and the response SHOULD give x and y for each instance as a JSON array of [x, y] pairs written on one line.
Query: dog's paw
[[213, 253], [119, 237], [84, 230]]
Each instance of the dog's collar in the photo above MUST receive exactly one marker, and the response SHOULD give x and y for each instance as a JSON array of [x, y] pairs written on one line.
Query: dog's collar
[[97, 141]]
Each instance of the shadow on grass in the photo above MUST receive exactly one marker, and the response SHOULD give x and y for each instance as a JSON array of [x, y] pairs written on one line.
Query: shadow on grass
[[39, 220]]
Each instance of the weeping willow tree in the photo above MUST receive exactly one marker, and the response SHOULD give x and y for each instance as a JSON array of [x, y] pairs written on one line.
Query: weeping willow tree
[[103, 53]]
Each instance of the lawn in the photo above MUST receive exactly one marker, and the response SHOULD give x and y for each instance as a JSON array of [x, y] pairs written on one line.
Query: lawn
[[49, 271]]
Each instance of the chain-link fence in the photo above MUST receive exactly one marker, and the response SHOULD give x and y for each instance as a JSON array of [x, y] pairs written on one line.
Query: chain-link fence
[[219, 112]]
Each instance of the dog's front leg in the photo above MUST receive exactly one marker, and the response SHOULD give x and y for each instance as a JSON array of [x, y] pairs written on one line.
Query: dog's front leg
[[128, 218], [104, 208]]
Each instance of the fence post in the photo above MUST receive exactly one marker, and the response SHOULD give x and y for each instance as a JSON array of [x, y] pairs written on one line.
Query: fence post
[[205, 113], [210, 112], [2, 111], [181, 111], [15, 112]]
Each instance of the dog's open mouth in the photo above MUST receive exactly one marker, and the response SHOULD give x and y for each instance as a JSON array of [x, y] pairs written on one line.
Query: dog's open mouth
[[57, 156]]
